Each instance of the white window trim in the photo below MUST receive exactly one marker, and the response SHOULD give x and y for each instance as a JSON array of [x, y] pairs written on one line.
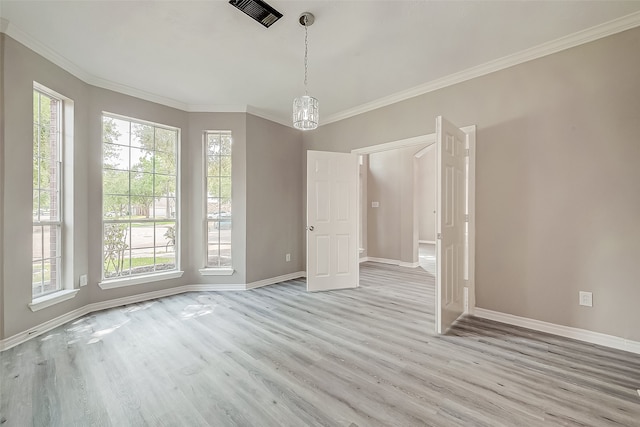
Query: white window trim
[[208, 270], [216, 271], [155, 276], [68, 289], [53, 298], [138, 280]]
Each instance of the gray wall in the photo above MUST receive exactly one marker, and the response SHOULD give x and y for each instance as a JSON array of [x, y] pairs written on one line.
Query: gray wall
[[426, 183], [383, 222], [275, 222], [198, 124], [102, 100], [390, 227], [275, 183], [21, 67], [557, 197], [557, 181]]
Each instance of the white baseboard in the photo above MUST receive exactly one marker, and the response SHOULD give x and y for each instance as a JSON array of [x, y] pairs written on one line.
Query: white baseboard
[[209, 287], [428, 242], [409, 264], [21, 337], [391, 261], [272, 280], [383, 260], [605, 340], [42, 328]]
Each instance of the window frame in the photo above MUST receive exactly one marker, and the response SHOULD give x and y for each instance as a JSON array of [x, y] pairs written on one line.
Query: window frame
[[37, 221], [156, 275], [65, 267], [209, 269]]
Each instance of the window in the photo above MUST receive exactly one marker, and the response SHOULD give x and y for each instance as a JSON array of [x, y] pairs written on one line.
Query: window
[[47, 193], [218, 195], [139, 198]]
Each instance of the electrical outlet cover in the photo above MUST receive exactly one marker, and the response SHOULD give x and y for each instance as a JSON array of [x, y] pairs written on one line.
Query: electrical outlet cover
[[586, 299]]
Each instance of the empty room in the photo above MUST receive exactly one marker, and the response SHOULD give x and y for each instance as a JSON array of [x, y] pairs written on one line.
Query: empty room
[[319, 213]]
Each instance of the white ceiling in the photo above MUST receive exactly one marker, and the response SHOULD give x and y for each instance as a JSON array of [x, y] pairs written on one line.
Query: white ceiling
[[209, 56]]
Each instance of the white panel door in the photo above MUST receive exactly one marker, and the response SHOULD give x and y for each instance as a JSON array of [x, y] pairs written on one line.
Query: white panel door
[[450, 219], [332, 227]]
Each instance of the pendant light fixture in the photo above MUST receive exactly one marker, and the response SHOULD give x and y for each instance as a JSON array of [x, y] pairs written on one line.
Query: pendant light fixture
[[305, 108]]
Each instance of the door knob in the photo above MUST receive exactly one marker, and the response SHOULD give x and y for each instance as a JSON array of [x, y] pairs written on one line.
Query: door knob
[[310, 228]]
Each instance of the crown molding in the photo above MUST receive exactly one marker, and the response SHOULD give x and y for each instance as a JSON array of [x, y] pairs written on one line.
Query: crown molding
[[581, 37], [136, 93], [615, 26], [4, 25], [46, 52], [267, 116], [215, 108], [43, 50]]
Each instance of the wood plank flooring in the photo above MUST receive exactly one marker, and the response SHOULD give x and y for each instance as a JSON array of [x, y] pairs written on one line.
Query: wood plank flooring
[[278, 356]]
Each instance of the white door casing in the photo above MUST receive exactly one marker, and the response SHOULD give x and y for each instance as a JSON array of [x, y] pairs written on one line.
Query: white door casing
[[470, 132], [332, 221], [451, 144]]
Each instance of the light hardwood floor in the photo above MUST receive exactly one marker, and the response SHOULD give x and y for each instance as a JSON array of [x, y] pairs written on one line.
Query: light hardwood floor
[[278, 356]]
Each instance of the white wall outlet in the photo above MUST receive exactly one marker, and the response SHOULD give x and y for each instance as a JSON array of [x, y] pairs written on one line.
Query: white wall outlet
[[375, 204], [586, 299], [287, 257], [83, 280]]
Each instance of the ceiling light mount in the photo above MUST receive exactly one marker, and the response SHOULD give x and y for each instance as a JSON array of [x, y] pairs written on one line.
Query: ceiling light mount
[[305, 108], [306, 19]]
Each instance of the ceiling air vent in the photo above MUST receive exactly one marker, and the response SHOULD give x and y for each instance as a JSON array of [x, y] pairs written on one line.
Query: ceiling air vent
[[258, 10]]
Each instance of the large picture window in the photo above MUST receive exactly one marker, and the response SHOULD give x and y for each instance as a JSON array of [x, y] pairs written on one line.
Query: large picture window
[[218, 195], [139, 197], [47, 193]]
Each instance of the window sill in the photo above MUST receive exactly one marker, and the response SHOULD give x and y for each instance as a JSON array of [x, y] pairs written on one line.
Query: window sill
[[216, 271], [52, 299], [138, 280]]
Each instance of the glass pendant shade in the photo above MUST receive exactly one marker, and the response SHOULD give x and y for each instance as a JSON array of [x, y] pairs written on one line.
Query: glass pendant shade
[[305, 113]]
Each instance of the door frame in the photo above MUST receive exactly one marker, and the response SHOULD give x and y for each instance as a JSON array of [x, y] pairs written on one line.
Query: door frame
[[428, 139]]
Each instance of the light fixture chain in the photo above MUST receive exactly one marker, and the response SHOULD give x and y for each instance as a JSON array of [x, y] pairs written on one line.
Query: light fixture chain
[[306, 50]]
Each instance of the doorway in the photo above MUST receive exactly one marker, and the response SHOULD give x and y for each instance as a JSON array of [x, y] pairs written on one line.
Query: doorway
[[424, 171], [332, 199], [390, 209], [464, 282]]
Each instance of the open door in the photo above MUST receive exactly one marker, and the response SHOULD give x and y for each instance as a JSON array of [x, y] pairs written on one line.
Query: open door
[[451, 153], [332, 222]]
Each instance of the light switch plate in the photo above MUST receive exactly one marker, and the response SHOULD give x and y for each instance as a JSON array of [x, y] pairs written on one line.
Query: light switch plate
[[83, 280]]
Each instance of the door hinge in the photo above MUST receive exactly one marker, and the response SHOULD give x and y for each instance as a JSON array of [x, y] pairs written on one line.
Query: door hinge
[[466, 217], [439, 236], [466, 152]]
